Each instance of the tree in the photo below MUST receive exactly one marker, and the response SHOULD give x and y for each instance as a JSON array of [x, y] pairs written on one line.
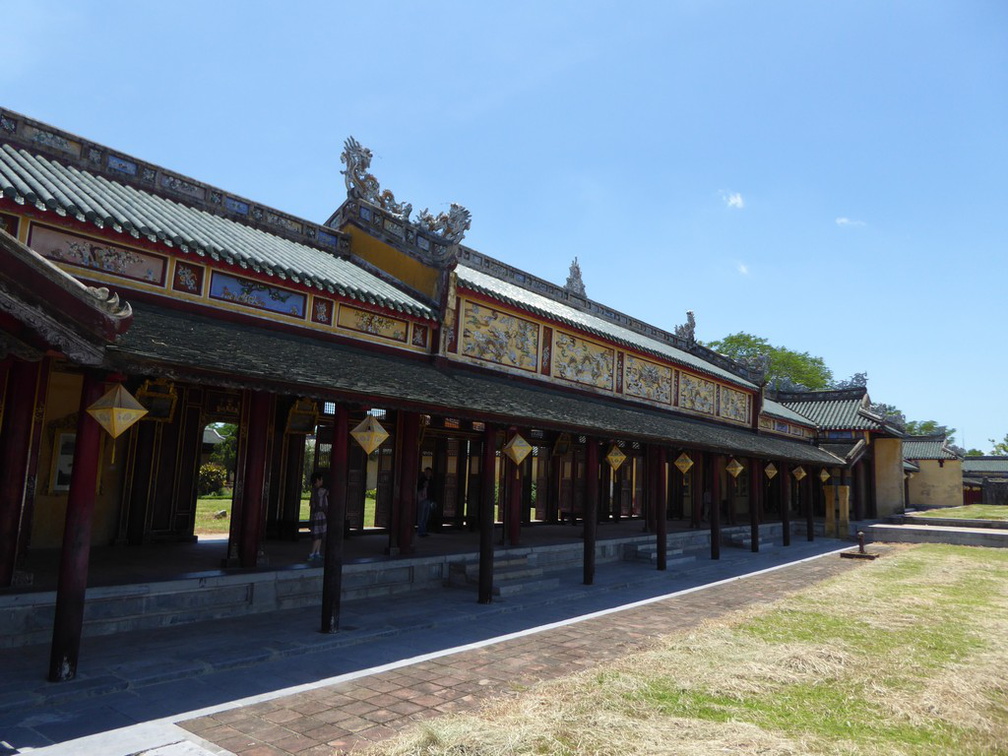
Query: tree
[[974, 453], [1000, 447], [930, 428], [785, 365], [226, 452]]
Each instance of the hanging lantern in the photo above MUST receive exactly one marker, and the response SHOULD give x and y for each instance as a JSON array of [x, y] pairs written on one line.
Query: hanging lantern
[[824, 475], [798, 472], [116, 411], [734, 468], [684, 463], [369, 433], [770, 471], [517, 448], [615, 458]]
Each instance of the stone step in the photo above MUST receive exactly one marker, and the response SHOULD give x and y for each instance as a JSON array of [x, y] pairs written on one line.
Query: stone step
[[512, 588]]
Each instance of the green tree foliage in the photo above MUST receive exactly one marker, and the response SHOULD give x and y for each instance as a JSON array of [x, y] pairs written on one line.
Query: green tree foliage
[[974, 453], [1000, 448], [226, 453], [930, 428], [212, 478], [786, 366]]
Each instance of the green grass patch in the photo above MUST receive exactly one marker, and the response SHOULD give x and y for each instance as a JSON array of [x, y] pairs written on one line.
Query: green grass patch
[[968, 512]]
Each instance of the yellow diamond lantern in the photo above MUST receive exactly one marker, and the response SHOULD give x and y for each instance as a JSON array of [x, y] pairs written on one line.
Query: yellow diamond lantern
[[517, 448], [770, 471], [798, 472], [824, 475], [369, 433], [615, 458], [116, 411], [684, 463], [734, 468]]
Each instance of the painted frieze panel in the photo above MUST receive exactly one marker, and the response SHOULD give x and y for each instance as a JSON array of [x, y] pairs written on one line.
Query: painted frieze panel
[[583, 361], [498, 337], [98, 255], [322, 311], [244, 291], [781, 427], [188, 278], [696, 394], [734, 405], [619, 371], [765, 424], [648, 380], [547, 350], [420, 334], [372, 323]]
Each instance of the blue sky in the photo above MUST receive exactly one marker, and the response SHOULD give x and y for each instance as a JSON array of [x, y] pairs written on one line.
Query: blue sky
[[828, 175]]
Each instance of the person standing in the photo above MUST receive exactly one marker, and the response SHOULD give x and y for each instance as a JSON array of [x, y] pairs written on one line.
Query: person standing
[[319, 515]]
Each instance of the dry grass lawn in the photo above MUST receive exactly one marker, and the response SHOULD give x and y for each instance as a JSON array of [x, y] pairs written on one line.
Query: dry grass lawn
[[906, 655]]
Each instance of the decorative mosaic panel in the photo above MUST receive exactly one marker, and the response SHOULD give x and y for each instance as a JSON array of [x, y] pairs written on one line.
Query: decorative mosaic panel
[[780, 426], [547, 350], [420, 333], [98, 255], [734, 405], [322, 311], [764, 422], [382, 326], [696, 394], [244, 291], [583, 361], [495, 336], [188, 278], [647, 380]]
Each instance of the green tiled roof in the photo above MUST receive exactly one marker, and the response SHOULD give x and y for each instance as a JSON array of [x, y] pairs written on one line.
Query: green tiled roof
[[547, 307], [178, 345], [48, 184], [834, 410], [776, 409], [985, 465], [926, 447]]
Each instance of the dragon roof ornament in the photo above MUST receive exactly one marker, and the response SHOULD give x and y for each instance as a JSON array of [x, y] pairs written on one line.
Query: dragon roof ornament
[[362, 185]]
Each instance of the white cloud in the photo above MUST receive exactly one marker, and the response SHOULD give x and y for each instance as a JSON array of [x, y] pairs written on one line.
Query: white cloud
[[743, 269], [842, 221], [733, 200]]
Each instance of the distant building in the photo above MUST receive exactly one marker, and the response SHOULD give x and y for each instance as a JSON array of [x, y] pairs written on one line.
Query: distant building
[[938, 479], [985, 480]]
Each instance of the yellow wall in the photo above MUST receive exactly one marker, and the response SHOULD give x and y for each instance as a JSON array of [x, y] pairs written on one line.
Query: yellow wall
[[889, 476], [936, 486], [412, 272], [50, 506]]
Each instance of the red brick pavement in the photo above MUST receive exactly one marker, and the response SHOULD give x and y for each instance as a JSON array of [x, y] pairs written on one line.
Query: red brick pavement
[[339, 718]]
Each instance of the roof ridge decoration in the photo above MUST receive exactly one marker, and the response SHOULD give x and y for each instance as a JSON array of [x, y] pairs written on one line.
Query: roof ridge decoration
[[362, 186]]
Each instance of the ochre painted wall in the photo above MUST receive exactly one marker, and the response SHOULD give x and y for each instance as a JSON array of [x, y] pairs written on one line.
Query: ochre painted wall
[[888, 475], [936, 485], [50, 505], [413, 273]]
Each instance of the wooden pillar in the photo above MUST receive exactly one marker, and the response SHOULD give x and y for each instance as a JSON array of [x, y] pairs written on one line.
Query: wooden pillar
[[253, 497], [661, 508], [807, 489], [591, 508], [755, 489], [859, 490], [785, 501], [651, 498], [712, 471], [15, 448], [407, 474], [332, 573], [73, 570], [486, 516], [698, 487]]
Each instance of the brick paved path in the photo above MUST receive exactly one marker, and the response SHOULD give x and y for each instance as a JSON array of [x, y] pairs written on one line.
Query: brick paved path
[[339, 718]]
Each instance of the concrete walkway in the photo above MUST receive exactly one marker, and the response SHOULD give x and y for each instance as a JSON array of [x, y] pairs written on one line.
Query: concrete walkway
[[271, 684]]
